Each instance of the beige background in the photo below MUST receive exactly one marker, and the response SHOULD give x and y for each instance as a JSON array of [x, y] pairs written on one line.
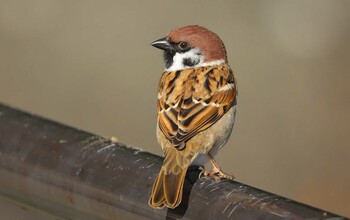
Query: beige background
[[89, 64]]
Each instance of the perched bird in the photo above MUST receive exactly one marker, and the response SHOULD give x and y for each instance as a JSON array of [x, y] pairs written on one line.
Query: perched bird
[[196, 105]]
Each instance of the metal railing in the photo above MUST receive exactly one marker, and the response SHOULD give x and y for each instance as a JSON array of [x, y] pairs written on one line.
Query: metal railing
[[72, 174]]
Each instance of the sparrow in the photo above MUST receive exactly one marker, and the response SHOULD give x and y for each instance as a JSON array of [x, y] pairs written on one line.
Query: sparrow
[[196, 103]]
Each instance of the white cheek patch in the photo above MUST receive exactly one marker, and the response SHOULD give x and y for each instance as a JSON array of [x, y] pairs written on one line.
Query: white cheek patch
[[178, 59], [195, 55]]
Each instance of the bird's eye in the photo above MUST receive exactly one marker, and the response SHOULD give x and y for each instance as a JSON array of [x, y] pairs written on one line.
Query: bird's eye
[[183, 45]]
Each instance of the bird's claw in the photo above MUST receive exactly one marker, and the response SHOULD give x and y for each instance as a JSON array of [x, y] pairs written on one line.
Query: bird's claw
[[217, 174]]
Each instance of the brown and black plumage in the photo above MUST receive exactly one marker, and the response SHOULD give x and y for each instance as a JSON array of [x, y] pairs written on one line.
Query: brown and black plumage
[[196, 108]]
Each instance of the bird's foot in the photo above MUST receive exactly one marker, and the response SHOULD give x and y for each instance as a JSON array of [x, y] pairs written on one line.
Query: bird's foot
[[218, 174]]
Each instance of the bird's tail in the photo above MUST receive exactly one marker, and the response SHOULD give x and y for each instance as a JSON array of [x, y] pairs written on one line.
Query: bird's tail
[[167, 189]]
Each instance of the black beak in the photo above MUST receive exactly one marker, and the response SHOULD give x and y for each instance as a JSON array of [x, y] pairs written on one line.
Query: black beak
[[162, 44]]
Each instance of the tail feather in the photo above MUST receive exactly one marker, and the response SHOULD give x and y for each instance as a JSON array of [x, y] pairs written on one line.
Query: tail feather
[[173, 185], [167, 189], [157, 199]]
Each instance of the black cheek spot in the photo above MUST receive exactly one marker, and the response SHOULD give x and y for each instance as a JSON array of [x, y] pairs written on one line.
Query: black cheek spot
[[190, 62]]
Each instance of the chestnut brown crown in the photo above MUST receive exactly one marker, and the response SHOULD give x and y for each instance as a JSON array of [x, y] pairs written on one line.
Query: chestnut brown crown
[[190, 47], [196, 36]]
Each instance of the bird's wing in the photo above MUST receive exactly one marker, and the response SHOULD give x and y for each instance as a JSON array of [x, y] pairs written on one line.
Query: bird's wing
[[194, 101]]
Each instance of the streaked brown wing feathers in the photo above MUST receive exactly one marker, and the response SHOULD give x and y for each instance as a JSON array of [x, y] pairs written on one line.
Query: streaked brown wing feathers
[[195, 101]]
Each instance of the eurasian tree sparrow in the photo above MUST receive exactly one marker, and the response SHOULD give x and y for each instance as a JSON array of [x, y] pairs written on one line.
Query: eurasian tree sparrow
[[197, 97]]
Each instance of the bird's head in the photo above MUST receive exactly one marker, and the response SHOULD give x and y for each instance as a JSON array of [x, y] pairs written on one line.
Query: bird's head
[[191, 46]]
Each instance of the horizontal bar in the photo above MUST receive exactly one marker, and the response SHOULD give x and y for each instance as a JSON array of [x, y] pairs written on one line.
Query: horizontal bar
[[74, 174]]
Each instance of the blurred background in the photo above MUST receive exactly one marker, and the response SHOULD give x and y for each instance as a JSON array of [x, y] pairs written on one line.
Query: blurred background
[[89, 64]]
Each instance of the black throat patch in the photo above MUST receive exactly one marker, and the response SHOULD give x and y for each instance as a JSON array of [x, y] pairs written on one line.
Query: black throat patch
[[168, 57]]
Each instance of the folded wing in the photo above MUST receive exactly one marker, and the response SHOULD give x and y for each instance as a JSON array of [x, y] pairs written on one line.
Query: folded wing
[[190, 101]]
